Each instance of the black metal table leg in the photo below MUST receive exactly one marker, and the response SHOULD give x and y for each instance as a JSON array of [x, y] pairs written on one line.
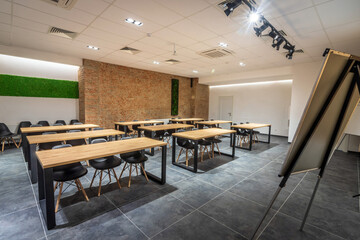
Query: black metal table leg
[[46, 200], [23, 137], [152, 150], [33, 163], [162, 179], [251, 138], [269, 134]]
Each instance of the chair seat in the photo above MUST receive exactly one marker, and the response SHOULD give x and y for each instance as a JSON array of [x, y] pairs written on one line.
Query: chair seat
[[204, 143], [105, 163], [133, 157], [69, 172], [214, 140]]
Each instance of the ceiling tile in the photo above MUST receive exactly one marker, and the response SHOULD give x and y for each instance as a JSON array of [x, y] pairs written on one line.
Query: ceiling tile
[[150, 10], [192, 30], [156, 42], [119, 15], [339, 12], [95, 33], [174, 37], [5, 7], [147, 48], [344, 32], [214, 20], [5, 27], [347, 46], [5, 38], [101, 43], [43, 18], [184, 7], [273, 9], [25, 23], [198, 47], [5, 18], [118, 29], [74, 14], [317, 38], [91, 6]]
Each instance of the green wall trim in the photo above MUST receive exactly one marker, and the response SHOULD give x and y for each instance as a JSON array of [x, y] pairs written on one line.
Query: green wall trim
[[12, 85], [174, 97]]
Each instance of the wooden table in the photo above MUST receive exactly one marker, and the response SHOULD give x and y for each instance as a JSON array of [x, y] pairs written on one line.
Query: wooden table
[[38, 130], [117, 124], [213, 123], [192, 120], [165, 127], [197, 135], [59, 137], [58, 157], [251, 127]]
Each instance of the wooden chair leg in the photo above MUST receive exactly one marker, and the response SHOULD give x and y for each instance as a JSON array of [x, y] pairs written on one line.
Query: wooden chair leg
[[99, 191], [217, 146], [213, 149], [59, 196], [201, 154], [177, 160], [56, 184], [82, 189], [116, 178], [136, 167], [142, 167], [109, 175], [14, 142], [123, 169], [187, 159], [77, 185], [20, 142], [208, 152], [129, 183], [3, 145], [93, 178]]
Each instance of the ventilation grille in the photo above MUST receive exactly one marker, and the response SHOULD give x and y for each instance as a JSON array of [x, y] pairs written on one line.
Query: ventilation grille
[[172, 61], [62, 33], [216, 53], [130, 50], [66, 4]]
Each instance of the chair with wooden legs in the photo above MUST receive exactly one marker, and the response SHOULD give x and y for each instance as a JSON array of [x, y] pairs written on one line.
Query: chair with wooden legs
[[44, 123], [214, 142], [48, 145], [22, 124], [6, 135], [134, 158], [106, 164], [187, 145], [72, 121], [204, 144], [68, 173], [241, 136], [60, 121], [167, 136]]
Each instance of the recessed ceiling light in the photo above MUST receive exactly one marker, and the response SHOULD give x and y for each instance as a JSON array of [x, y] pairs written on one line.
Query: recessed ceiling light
[[223, 44], [130, 20], [195, 71], [242, 64], [156, 62], [213, 70], [254, 17], [93, 48]]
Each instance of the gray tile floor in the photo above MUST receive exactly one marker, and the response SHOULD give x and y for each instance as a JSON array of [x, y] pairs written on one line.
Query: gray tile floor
[[225, 200]]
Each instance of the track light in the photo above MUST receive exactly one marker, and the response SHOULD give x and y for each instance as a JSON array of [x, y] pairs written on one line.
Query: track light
[[259, 30], [279, 41], [229, 6], [254, 17], [291, 49]]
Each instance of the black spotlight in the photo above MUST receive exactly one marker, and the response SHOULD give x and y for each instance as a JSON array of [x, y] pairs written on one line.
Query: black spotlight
[[273, 34], [291, 50], [279, 41], [259, 30], [230, 6]]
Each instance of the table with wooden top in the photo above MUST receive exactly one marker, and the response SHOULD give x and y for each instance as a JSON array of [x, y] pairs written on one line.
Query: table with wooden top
[[183, 120], [59, 157], [118, 124], [59, 137], [165, 127], [197, 135], [212, 123], [251, 127], [39, 130]]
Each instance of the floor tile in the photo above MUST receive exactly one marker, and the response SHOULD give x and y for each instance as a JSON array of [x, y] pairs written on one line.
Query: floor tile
[[16, 200]]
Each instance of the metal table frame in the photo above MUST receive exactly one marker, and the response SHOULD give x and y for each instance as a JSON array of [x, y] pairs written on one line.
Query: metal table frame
[[251, 138]]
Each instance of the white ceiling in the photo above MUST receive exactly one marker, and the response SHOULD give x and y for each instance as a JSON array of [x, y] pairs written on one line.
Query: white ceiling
[[193, 25]]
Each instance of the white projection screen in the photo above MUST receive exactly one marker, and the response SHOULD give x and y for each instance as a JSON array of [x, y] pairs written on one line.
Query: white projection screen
[[316, 145]]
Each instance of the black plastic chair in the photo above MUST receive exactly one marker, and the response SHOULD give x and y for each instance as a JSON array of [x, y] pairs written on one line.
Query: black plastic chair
[[241, 135], [204, 144], [48, 145], [97, 129], [69, 172], [6, 135], [44, 123], [134, 158], [60, 121], [77, 123], [22, 124], [185, 144], [72, 121], [75, 142], [103, 164], [214, 142]]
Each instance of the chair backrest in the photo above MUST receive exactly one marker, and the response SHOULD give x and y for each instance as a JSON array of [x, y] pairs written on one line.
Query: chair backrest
[[77, 123], [75, 142], [135, 120], [98, 140], [58, 124], [4, 130], [124, 138], [48, 145], [61, 146], [61, 121], [44, 123], [72, 121], [98, 128], [36, 125], [74, 130], [22, 125]]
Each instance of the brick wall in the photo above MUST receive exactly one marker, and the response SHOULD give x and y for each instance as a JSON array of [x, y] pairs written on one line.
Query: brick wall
[[109, 93]]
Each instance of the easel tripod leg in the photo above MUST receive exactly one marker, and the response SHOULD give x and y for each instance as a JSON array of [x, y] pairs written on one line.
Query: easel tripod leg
[[310, 203], [266, 212]]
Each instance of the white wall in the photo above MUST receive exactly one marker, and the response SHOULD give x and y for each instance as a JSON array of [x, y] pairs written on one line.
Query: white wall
[[260, 103], [16, 109]]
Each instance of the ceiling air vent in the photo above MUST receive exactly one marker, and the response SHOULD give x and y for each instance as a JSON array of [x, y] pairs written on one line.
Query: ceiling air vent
[[216, 53], [66, 4], [62, 33], [130, 50], [172, 61]]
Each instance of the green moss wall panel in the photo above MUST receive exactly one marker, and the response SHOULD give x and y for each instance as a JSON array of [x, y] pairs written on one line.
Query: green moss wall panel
[[174, 97], [11, 85]]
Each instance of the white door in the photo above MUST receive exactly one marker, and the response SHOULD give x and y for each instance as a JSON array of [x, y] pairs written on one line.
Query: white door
[[226, 108]]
